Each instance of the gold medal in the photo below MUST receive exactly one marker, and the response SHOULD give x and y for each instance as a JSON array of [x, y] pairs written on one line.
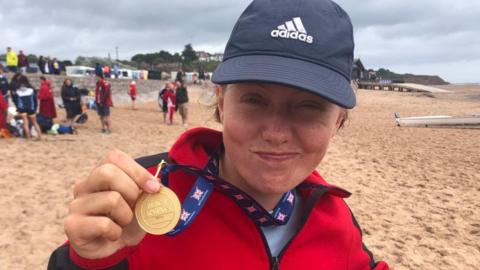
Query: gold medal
[[158, 213]]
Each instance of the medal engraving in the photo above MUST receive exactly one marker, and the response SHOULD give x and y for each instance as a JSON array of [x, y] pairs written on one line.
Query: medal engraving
[[158, 213]]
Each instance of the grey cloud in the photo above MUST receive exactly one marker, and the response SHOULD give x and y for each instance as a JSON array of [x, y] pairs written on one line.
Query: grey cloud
[[408, 35]]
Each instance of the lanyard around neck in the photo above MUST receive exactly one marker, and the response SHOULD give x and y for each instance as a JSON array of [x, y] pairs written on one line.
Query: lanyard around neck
[[207, 180]]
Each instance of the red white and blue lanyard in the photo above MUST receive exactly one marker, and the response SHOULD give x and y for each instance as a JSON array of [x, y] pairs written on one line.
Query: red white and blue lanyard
[[207, 180]]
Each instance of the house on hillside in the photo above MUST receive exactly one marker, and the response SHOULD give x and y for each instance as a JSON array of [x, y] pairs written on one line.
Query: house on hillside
[[203, 56], [216, 57], [208, 57]]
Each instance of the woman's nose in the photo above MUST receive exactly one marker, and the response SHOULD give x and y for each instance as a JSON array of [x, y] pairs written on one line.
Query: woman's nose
[[276, 129]]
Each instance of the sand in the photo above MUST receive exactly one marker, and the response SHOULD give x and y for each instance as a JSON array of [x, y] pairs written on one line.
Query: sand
[[415, 190]]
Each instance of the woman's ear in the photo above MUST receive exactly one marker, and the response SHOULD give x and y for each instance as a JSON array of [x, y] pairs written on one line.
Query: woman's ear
[[219, 91]]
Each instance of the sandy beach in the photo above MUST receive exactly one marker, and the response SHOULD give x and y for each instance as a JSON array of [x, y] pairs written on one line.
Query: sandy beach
[[415, 190]]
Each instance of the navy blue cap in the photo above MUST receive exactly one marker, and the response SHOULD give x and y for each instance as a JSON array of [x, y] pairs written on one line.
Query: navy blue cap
[[307, 44]]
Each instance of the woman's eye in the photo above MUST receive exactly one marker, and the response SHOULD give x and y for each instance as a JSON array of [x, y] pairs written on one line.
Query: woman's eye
[[254, 100], [310, 106]]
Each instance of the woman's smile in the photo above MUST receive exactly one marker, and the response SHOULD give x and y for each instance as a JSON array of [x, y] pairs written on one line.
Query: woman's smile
[[273, 157]]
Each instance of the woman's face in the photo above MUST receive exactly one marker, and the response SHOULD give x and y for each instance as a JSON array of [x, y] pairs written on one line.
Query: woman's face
[[68, 82], [274, 135]]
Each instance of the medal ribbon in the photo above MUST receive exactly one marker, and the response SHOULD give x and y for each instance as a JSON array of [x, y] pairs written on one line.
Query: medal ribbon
[[207, 179]]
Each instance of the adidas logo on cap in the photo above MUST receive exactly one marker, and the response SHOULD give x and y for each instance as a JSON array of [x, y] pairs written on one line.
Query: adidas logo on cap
[[293, 29]]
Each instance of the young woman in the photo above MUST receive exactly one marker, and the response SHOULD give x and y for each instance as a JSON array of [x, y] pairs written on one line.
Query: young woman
[[47, 102], [27, 105], [251, 197], [133, 93], [71, 100], [47, 111], [181, 102], [103, 100]]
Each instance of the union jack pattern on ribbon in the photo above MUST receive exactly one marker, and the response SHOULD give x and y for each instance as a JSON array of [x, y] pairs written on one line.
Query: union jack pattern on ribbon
[[207, 180]]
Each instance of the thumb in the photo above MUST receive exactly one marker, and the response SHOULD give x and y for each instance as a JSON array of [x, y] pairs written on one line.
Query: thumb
[[152, 185]]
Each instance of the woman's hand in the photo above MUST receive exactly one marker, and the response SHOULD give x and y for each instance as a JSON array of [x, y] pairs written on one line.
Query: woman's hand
[[101, 219]]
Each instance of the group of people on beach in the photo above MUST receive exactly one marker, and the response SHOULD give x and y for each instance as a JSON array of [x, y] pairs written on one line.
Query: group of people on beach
[[20, 63], [35, 108], [174, 97]]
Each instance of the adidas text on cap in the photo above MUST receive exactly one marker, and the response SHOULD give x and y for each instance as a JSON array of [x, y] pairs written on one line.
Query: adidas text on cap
[[307, 44]]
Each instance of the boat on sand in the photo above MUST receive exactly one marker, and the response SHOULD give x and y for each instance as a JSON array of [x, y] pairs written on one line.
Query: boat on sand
[[472, 121]]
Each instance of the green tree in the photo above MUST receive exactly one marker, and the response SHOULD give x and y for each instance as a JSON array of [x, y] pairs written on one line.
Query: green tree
[[189, 54], [32, 58], [65, 63]]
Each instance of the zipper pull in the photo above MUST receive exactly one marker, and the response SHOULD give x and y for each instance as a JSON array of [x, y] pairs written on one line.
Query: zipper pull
[[275, 263]]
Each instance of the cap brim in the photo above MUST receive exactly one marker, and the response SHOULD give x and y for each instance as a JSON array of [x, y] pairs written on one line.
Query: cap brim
[[288, 71]]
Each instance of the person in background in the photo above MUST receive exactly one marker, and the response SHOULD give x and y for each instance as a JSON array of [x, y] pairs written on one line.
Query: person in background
[[12, 60], [201, 78], [47, 65], [41, 64], [56, 68], [179, 76], [103, 100], [71, 100], [169, 102], [4, 85], [116, 71], [27, 106], [181, 98], [98, 69], [163, 102], [47, 102], [106, 71], [22, 62], [133, 93], [14, 85], [3, 118]]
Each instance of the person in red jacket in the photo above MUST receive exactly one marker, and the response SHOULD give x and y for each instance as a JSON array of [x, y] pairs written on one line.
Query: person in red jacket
[[133, 93], [103, 100], [251, 196], [3, 113], [47, 102], [169, 98]]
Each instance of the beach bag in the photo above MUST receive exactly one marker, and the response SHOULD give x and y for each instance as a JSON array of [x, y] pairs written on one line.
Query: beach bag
[[14, 130], [5, 133], [62, 129]]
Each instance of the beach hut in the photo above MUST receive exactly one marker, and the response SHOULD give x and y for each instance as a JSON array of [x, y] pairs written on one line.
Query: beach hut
[[125, 73], [191, 77]]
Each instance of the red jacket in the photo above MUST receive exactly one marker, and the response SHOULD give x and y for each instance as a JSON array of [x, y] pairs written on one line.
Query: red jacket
[[47, 103], [133, 90], [3, 109], [169, 94], [224, 237], [103, 93]]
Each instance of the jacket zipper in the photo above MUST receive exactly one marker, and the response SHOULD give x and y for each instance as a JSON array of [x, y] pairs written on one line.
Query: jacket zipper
[[275, 261]]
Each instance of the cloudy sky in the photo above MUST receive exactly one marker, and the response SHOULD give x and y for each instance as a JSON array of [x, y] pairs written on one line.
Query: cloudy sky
[[439, 37]]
